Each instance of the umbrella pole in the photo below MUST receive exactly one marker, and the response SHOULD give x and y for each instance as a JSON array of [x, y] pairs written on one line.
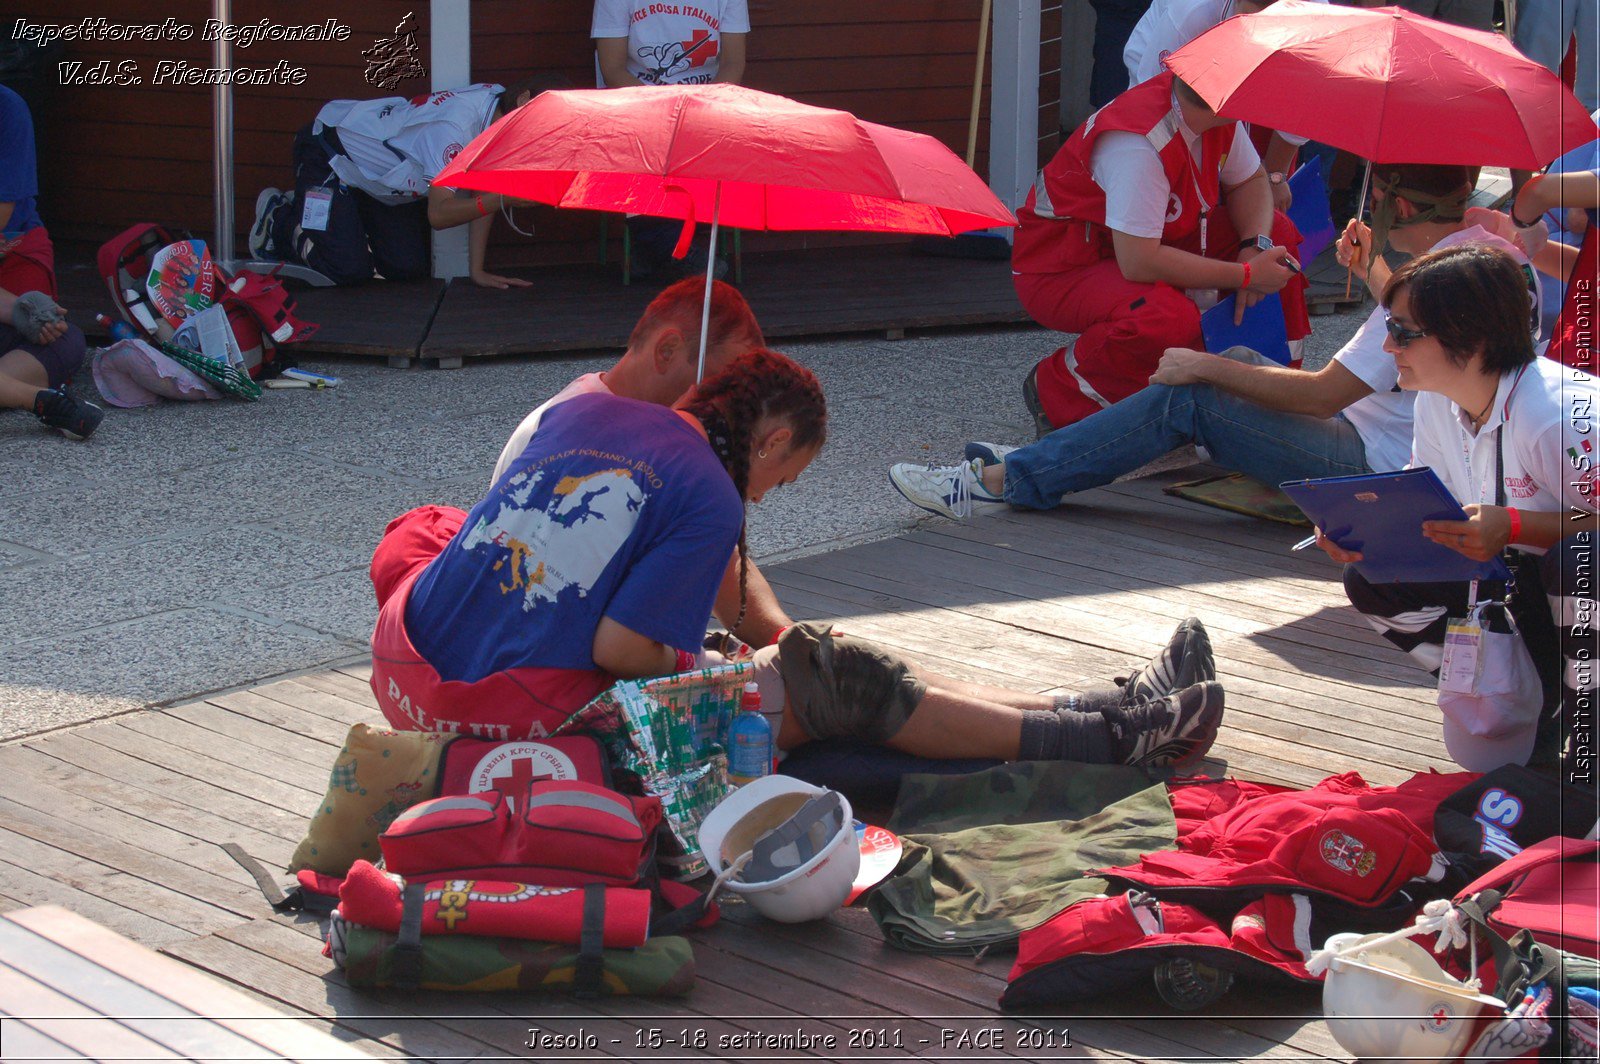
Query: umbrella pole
[[1361, 208], [711, 265]]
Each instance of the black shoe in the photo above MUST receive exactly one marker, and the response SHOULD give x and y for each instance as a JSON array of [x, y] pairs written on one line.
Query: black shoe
[[1185, 661], [1176, 730], [73, 418], [1030, 398]]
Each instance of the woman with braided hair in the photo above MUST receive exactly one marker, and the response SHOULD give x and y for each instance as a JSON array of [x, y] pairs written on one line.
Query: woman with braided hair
[[595, 557], [598, 556]]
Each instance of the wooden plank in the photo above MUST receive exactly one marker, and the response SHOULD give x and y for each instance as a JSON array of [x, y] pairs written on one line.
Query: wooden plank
[[175, 745], [96, 801], [29, 888], [120, 978], [327, 736], [80, 749], [240, 898], [78, 1030], [100, 880], [342, 711], [220, 720]]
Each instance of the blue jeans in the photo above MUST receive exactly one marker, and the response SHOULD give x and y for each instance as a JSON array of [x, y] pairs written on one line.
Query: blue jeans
[[1266, 444]]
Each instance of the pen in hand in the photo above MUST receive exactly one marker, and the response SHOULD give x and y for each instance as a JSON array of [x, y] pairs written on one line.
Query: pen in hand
[[1304, 543]]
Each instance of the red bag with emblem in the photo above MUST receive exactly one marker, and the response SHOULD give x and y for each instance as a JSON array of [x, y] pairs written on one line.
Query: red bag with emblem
[[554, 833]]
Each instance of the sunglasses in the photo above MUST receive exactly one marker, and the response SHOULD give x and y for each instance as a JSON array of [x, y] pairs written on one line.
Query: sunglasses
[[1401, 335]]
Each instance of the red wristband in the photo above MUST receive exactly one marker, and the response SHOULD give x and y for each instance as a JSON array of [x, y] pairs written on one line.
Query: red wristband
[[684, 661], [1246, 282], [482, 211], [1516, 525], [779, 635]]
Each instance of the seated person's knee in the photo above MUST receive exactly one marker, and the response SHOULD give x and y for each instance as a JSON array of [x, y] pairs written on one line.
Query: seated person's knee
[[838, 686]]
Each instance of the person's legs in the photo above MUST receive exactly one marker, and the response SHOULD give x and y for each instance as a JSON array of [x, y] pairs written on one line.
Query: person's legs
[[838, 686], [398, 236], [338, 249], [1411, 616], [1124, 327], [1268, 445], [33, 377]]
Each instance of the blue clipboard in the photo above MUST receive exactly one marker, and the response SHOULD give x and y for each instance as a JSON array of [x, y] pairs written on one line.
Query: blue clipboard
[[1263, 329], [1309, 211], [1381, 515]]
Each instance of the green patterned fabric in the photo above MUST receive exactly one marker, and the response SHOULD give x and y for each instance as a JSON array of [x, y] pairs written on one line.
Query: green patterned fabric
[[672, 733], [662, 967], [991, 854]]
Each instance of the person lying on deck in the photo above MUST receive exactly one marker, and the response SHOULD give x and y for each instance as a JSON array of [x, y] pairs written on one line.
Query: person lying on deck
[[1267, 421], [598, 554]]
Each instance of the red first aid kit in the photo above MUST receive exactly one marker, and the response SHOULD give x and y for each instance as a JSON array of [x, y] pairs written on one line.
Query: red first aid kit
[[559, 833]]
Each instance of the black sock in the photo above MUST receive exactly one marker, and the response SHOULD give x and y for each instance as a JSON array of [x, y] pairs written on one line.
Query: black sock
[[1075, 730]]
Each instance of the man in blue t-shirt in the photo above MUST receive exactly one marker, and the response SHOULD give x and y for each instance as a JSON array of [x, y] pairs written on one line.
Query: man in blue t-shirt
[[39, 349]]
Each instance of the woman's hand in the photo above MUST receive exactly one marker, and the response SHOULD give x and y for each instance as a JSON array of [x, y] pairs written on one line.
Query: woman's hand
[[1484, 533], [1336, 552]]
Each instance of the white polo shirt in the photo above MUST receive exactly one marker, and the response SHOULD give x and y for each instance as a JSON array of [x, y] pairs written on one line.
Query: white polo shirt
[[1543, 415]]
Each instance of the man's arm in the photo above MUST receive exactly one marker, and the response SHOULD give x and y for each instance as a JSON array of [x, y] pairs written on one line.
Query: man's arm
[[613, 55], [1146, 260], [1293, 391], [628, 655], [1277, 159], [1249, 204], [730, 58], [5, 214]]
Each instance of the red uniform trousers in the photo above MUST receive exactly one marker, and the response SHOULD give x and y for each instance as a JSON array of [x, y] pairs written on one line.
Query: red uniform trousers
[[1123, 325], [30, 264], [520, 703]]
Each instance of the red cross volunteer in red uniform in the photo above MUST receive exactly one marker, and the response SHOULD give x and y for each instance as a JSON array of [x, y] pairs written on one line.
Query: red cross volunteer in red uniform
[[1124, 224]]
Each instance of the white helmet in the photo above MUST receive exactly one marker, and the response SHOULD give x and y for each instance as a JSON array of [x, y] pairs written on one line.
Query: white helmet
[[1394, 1001], [798, 844]]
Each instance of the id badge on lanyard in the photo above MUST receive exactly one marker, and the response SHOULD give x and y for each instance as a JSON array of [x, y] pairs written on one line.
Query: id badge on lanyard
[[1463, 637]]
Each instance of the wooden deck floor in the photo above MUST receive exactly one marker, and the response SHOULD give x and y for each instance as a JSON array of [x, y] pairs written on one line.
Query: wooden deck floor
[[122, 821]]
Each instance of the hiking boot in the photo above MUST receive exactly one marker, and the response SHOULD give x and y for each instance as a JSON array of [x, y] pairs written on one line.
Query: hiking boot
[[73, 418], [1175, 730], [1185, 661], [987, 453], [267, 204], [1030, 398], [952, 491]]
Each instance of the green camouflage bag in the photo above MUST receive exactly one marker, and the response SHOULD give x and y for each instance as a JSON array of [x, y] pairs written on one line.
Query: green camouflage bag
[[662, 967]]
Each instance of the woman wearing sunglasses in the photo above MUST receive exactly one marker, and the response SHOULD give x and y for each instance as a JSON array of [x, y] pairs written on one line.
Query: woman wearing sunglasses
[[1512, 436]]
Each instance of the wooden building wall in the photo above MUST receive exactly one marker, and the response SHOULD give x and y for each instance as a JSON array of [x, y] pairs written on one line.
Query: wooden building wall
[[111, 156]]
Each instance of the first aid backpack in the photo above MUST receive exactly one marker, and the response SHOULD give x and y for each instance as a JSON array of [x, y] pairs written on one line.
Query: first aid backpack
[[260, 310]]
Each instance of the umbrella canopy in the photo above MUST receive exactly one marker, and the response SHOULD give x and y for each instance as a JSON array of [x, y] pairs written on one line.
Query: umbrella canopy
[[725, 153], [1385, 84]]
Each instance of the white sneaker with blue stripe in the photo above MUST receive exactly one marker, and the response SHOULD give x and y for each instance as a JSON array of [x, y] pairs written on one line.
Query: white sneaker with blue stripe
[[987, 453], [953, 491]]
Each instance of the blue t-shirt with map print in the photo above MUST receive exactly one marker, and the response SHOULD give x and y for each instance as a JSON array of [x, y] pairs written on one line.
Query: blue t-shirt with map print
[[616, 508]]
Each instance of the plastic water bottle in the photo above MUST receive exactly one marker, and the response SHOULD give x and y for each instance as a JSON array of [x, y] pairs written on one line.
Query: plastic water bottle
[[119, 330], [750, 739]]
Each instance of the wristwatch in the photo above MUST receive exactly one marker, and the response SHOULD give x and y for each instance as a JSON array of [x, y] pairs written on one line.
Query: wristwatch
[[1260, 242], [1277, 177]]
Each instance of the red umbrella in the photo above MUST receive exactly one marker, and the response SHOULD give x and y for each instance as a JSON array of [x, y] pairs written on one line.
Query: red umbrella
[[1385, 84], [726, 154]]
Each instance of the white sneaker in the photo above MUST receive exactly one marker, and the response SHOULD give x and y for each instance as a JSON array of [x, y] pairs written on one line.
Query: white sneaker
[[987, 453], [953, 491], [267, 203]]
